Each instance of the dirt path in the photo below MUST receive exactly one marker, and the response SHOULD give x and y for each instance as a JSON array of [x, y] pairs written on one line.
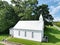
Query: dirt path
[[57, 27], [9, 43], [5, 42]]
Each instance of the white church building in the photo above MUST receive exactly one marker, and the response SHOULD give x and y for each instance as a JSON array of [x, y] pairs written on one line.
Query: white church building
[[30, 30]]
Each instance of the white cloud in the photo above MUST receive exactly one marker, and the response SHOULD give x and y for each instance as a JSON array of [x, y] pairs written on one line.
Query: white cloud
[[56, 19], [54, 10], [51, 7], [59, 3], [47, 1], [56, 0]]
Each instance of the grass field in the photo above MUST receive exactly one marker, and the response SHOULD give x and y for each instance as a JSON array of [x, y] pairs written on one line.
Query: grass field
[[52, 33], [3, 36], [57, 23], [1, 44]]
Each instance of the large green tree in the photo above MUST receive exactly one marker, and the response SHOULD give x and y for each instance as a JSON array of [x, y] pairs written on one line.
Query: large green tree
[[8, 17], [44, 10], [28, 10], [24, 8]]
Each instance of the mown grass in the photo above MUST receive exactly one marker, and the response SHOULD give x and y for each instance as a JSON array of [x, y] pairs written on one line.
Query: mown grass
[[53, 36], [3, 36], [23, 41], [1, 44], [52, 33]]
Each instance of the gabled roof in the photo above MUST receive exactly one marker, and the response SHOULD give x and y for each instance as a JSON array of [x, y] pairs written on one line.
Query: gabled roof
[[31, 25]]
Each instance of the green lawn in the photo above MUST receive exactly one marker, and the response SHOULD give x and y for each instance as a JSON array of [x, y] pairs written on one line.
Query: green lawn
[[53, 36], [52, 33], [1, 44], [3, 36]]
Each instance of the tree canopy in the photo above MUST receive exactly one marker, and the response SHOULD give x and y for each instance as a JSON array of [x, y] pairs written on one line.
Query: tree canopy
[[44, 10], [29, 10], [23, 10], [8, 17]]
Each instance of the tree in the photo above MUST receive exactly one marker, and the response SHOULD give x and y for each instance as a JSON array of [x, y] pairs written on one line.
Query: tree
[[25, 8], [48, 19], [8, 17], [44, 10]]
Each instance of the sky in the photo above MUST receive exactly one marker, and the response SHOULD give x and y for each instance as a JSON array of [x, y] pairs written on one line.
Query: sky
[[53, 5], [54, 8]]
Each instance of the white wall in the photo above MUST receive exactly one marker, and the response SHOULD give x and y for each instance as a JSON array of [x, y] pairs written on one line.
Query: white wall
[[37, 36], [16, 33], [11, 32], [22, 33], [29, 34]]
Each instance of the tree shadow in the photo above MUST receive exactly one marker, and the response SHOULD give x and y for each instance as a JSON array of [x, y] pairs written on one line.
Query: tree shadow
[[52, 34]]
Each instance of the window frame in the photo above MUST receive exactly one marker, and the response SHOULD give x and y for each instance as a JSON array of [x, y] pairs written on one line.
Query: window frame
[[19, 32], [25, 34], [32, 34]]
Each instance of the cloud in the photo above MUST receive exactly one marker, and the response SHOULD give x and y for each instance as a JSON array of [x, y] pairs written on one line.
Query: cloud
[[51, 7], [47, 1], [56, 19], [56, 0], [54, 10], [58, 3]]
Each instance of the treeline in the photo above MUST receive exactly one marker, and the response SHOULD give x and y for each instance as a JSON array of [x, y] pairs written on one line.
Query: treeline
[[8, 17], [57, 24], [22, 10]]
